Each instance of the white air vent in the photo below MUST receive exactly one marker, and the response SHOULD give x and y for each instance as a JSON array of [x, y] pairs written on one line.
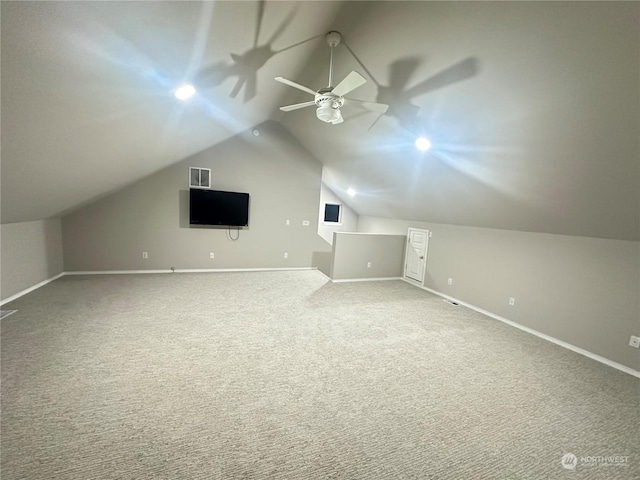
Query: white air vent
[[199, 177]]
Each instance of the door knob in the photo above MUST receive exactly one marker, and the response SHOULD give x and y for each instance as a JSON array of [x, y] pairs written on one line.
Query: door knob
[[421, 257]]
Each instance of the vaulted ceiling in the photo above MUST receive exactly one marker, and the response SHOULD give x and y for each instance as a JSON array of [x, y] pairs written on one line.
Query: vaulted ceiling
[[532, 108]]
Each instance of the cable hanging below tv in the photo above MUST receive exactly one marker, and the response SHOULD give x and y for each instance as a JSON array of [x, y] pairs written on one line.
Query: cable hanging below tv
[[218, 208]]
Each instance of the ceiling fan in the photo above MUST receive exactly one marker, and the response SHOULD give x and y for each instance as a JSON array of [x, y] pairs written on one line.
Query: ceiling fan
[[330, 99]]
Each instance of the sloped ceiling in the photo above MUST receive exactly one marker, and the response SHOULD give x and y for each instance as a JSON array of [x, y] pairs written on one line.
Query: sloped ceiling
[[87, 88], [532, 108]]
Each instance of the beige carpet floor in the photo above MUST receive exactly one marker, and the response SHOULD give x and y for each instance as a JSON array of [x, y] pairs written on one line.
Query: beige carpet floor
[[283, 375]]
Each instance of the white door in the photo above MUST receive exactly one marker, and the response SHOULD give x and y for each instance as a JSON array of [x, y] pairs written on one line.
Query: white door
[[415, 259]]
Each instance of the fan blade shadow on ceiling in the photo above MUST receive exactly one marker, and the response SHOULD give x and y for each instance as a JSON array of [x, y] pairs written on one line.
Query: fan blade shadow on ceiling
[[399, 97], [245, 66], [463, 70], [401, 71], [251, 87], [259, 19]]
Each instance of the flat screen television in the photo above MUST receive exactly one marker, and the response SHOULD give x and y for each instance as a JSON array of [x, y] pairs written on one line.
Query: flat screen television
[[217, 208]]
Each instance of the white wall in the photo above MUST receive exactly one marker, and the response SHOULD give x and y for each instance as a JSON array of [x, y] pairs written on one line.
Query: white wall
[[581, 290], [31, 253]]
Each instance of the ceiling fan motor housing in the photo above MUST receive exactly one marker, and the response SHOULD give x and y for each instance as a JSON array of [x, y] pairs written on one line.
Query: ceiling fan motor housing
[[333, 38]]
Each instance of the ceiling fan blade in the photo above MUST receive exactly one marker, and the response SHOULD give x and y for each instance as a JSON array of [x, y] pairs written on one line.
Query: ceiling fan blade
[[350, 82], [371, 106], [295, 85], [296, 106]]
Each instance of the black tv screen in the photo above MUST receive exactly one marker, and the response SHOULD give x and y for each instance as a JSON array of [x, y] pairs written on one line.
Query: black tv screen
[[214, 207]]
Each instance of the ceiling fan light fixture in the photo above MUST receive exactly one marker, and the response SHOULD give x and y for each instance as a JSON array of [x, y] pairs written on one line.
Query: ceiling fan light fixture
[[423, 144], [184, 92], [328, 114]]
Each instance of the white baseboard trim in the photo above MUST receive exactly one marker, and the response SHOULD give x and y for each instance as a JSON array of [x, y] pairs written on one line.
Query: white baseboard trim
[[30, 289], [561, 343], [266, 269], [115, 272], [349, 280], [323, 274], [188, 270]]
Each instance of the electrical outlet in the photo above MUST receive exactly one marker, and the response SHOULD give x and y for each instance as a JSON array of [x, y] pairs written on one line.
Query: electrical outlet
[[305, 223], [286, 255], [450, 281], [368, 264], [145, 255], [634, 341], [211, 255], [512, 302], [287, 222]]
